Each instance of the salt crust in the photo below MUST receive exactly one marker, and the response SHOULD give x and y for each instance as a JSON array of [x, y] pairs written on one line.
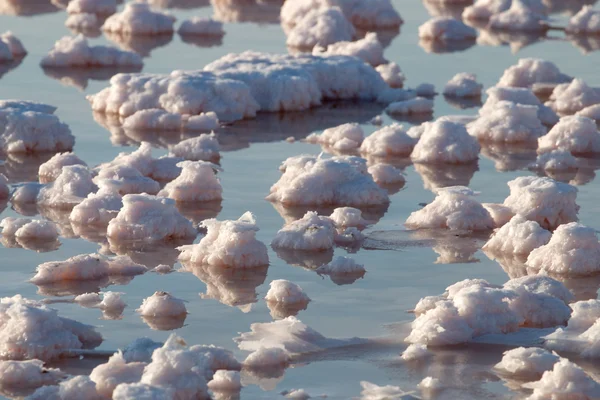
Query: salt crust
[[97, 208], [202, 148], [418, 105], [391, 74], [527, 362], [73, 184], [575, 134], [520, 96], [286, 292], [530, 71], [25, 228], [585, 22], [565, 380], [105, 7], [569, 98]]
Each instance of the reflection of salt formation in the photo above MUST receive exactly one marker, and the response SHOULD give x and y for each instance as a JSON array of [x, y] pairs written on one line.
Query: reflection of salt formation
[[586, 44], [516, 40], [509, 157], [87, 25], [452, 247], [262, 12], [342, 270], [180, 4], [140, 44], [285, 299], [265, 367], [21, 167], [566, 6], [446, 46], [234, 287], [437, 8], [27, 8], [437, 176], [415, 106], [371, 391], [80, 77]]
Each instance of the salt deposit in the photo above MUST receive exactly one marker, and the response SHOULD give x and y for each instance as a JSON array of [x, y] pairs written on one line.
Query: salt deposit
[[569, 98], [10, 47], [225, 381], [463, 85], [148, 218], [368, 49], [139, 19], [453, 208], [70, 187], [267, 357], [343, 138], [201, 26], [309, 180], [202, 148], [76, 52], [527, 362], [418, 105], [519, 17], [321, 27], [162, 304], [531, 71], [445, 142], [348, 217], [520, 96], [140, 350], [519, 237], [581, 334], [425, 90], [105, 7], [23, 228], [30, 330], [430, 384], [446, 29], [575, 134], [508, 122], [228, 243], [592, 112], [415, 352], [499, 212], [371, 391], [565, 380], [29, 373], [111, 303], [51, 169], [97, 208], [310, 233], [286, 292], [127, 391], [197, 183], [76, 387], [391, 74], [585, 22], [543, 200], [116, 371]]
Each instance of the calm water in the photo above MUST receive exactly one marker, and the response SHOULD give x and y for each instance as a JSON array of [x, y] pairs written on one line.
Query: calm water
[[400, 271]]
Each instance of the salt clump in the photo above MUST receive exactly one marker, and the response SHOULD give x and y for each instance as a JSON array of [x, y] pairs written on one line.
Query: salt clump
[[321, 27], [386, 174], [105, 7], [548, 202], [197, 183], [518, 237], [348, 217], [346, 137], [371, 391], [202, 148], [367, 49], [531, 71], [201, 26], [391, 74], [10, 47], [287, 293], [592, 112], [111, 303], [310, 233], [415, 351], [508, 122], [575, 134], [581, 334], [520, 96], [149, 218], [463, 85], [225, 381], [162, 304], [70, 187], [76, 52], [228, 243], [29, 373], [309, 180], [76, 387], [114, 372], [565, 380], [568, 98], [418, 105], [453, 208], [527, 362], [445, 142], [51, 169], [23, 228], [267, 357], [446, 29], [585, 22], [139, 19], [97, 208], [519, 17]]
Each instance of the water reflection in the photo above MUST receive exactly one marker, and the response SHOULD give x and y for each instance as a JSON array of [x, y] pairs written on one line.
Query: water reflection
[[23, 167], [7, 66], [141, 44], [566, 6], [463, 103], [181, 4], [437, 176], [79, 77], [437, 8], [585, 43], [516, 40], [261, 12], [27, 8], [446, 46], [201, 40], [509, 157]]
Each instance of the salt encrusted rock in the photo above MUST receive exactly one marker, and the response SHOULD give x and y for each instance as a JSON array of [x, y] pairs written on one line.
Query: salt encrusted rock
[[310, 233], [508, 122], [139, 19], [520, 18], [445, 142], [446, 29], [51, 169], [585, 22], [418, 105], [530, 71], [575, 134], [321, 27], [543, 200], [197, 183], [519, 237], [308, 180], [202, 148], [70, 187], [105, 7], [162, 304], [98, 208], [148, 218], [520, 96], [346, 137], [76, 52], [391, 74], [463, 85], [565, 380], [568, 98], [527, 363], [200, 26], [228, 243], [367, 49], [453, 208], [10, 47]]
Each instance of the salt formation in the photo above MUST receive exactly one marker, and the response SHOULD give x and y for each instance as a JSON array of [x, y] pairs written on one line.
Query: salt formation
[[508, 122], [70, 187], [225, 381], [97, 208], [518, 237], [592, 112], [139, 19], [321, 27], [367, 49], [415, 351], [527, 362], [27, 127], [228, 243], [483, 10], [51, 169], [111, 303], [197, 183], [446, 29], [371, 391], [463, 85], [373, 15], [453, 208], [104, 7], [568, 98], [162, 304], [82, 22], [519, 17], [10, 47], [271, 357], [445, 142], [202, 148], [146, 218], [522, 96], [391, 74], [543, 200], [573, 250], [76, 387], [114, 372], [24, 228], [348, 217], [580, 336], [29, 373], [30, 330], [310, 233], [418, 105], [565, 380], [200, 26], [472, 308], [286, 293], [127, 391], [575, 134], [531, 71], [346, 137], [76, 52], [585, 22], [309, 180]]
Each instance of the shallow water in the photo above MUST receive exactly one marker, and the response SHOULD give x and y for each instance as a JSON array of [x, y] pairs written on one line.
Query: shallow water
[[401, 266]]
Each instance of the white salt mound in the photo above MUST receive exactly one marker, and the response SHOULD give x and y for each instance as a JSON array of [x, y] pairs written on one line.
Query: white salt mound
[[446, 29], [530, 71], [386, 174], [519, 236], [10, 47], [425, 90], [128, 391], [415, 351], [543, 200], [518, 18], [453, 208], [202, 148], [114, 372], [430, 384], [569, 98], [310, 233], [463, 85], [145, 217], [162, 304], [445, 142], [575, 134], [105, 7], [371, 391], [527, 362], [500, 213], [200, 26], [346, 137], [267, 357], [28, 229], [98, 208], [286, 292], [72, 185], [77, 387], [565, 380], [581, 334], [77, 268], [321, 27], [225, 381], [139, 19], [368, 49], [391, 74], [153, 119], [29, 374], [520, 96], [197, 183], [418, 105], [592, 112], [76, 52], [347, 217], [585, 22], [51, 169], [228, 243]]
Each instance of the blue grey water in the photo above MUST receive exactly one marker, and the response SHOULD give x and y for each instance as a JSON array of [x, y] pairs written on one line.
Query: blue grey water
[[401, 269]]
